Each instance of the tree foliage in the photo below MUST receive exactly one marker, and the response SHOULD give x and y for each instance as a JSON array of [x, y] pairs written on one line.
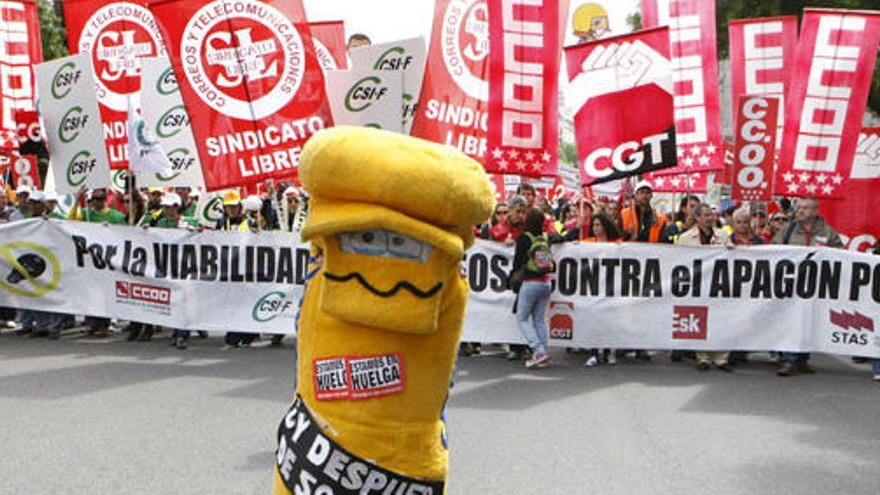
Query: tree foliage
[[52, 31]]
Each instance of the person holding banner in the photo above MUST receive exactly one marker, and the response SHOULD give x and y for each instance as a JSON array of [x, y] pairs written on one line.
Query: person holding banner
[[807, 229], [743, 235], [705, 233], [602, 229]]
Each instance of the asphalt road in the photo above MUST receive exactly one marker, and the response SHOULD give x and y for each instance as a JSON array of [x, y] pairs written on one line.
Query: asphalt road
[[82, 415]]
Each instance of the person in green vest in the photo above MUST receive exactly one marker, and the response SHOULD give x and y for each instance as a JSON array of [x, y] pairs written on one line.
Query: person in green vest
[[96, 210]]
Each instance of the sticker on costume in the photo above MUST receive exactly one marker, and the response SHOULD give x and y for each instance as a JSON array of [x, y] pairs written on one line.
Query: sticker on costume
[[331, 379], [356, 377], [376, 376]]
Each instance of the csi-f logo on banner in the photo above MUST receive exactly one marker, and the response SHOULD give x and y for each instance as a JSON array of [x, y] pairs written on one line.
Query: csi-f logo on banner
[[116, 36], [395, 58], [466, 41], [263, 47], [181, 160], [65, 79], [271, 306], [172, 122], [79, 168], [167, 82], [28, 269], [73, 121], [364, 93]]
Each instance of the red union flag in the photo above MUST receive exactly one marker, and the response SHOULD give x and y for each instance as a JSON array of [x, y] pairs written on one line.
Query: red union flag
[[329, 39], [24, 171], [695, 74], [755, 148], [761, 60], [621, 90], [455, 93], [856, 217], [20, 48], [826, 101], [693, 183], [251, 82], [523, 130], [115, 35]]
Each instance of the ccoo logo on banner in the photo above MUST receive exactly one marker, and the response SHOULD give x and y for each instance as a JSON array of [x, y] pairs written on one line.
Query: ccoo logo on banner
[[251, 82], [622, 91]]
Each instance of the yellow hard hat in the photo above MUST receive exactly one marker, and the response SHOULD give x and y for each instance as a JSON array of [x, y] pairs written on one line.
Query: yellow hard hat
[[231, 198], [584, 15]]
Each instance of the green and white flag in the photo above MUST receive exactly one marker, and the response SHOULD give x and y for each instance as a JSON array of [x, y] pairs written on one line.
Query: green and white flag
[[145, 155]]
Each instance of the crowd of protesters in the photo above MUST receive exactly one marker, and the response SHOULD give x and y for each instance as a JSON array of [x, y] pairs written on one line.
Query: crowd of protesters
[[526, 222], [530, 224], [283, 209]]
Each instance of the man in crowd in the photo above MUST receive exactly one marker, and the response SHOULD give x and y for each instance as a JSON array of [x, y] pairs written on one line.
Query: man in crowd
[[761, 225], [743, 235], [642, 224], [357, 40], [705, 233], [6, 208], [22, 193], [511, 226], [233, 219], [807, 229], [154, 200], [97, 211]]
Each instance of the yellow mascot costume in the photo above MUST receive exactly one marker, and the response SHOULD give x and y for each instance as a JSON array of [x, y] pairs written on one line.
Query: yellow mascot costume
[[390, 219]]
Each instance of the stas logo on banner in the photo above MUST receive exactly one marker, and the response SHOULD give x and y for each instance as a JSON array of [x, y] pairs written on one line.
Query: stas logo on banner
[[21, 49], [251, 82], [523, 117], [455, 94], [621, 88], [755, 148], [851, 328], [695, 74], [833, 69], [115, 35], [856, 218], [761, 60], [329, 40]]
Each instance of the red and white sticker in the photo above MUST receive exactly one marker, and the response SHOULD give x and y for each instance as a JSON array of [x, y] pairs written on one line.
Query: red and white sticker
[[355, 377]]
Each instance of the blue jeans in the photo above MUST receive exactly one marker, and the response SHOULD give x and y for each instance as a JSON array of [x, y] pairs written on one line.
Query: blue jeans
[[534, 296], [795, 359], [877, 366]]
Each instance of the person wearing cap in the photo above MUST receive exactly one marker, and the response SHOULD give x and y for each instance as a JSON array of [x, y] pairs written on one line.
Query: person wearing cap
[[390, 219], [22, 193], [642, 224], [154, 199], [253, 219], [96, 210], [233, 213], [187, 205], [51, 204]]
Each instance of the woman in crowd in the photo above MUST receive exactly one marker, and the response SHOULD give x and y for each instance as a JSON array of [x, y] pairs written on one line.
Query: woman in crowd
[[533, 265], [602, 229]]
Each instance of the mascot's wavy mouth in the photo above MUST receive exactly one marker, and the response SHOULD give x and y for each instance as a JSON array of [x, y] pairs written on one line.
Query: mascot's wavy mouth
[[388, 293]]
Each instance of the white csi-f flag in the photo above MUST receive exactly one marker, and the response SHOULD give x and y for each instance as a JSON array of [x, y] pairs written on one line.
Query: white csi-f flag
[[145, 154]]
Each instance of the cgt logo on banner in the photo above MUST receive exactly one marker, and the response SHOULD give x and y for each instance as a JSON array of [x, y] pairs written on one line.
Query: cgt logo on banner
[[71, 116], [251, 83], [271, 306], [623, 92], [561, 321], [28, 269], [834, 64], [115, 35], [455, 95]]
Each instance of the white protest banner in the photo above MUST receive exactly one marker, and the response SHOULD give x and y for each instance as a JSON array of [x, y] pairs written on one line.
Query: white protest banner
[[405, 56], [166, 117], [643, 296], [215, 281], [366, 97], [72, 120], [781, 298]]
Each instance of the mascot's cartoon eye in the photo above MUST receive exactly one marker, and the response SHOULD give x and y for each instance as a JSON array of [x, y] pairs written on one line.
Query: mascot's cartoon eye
[[386, 243]]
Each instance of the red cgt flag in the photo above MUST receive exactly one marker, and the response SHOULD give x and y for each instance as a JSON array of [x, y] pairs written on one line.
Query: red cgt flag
[[621, 90], [523, 127], [21, 49], [453, 107], [695, 74], [826, 101], [251, 82], [115, 35], [329, 39]]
